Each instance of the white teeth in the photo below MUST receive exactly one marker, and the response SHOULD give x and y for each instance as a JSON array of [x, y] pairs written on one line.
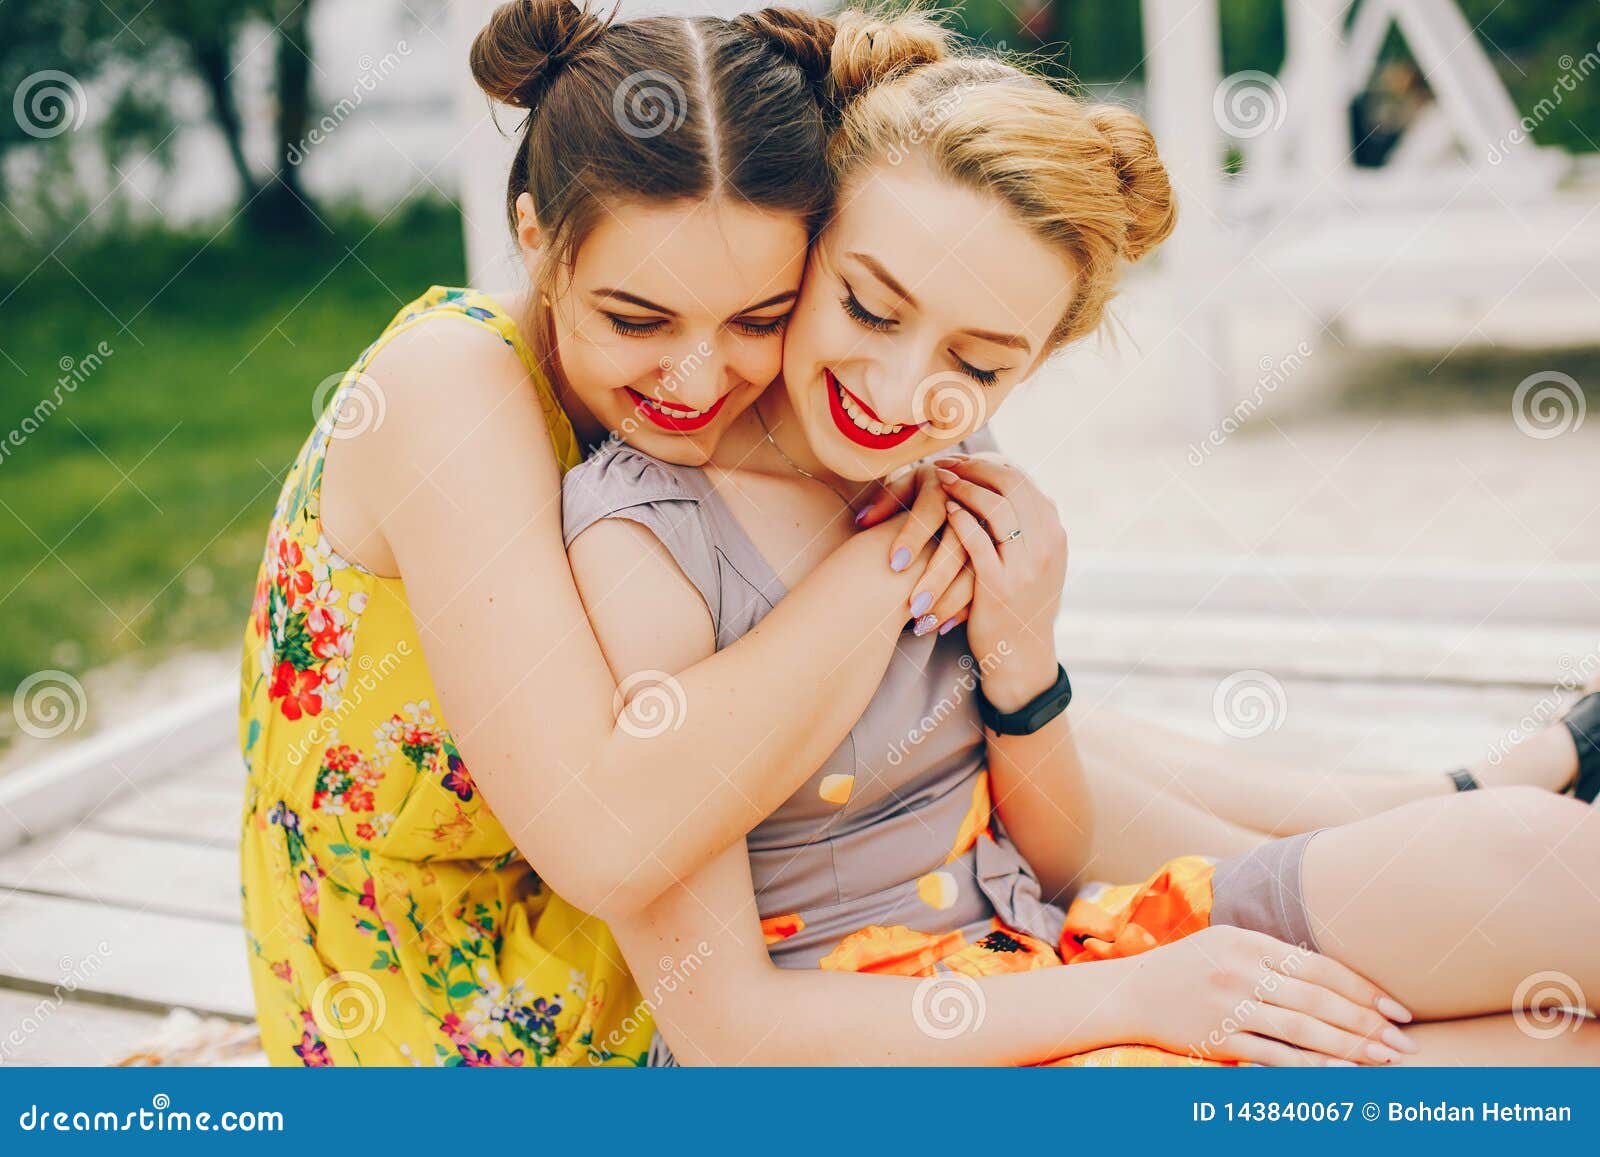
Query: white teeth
[[674, 412], [859, 417]]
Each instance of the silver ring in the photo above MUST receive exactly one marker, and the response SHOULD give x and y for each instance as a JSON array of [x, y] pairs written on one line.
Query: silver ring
[[1012, 537]]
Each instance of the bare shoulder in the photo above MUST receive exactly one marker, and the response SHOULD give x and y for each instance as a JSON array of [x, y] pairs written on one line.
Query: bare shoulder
[[445, 417]]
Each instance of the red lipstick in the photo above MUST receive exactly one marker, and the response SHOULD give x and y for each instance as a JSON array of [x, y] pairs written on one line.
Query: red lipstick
[[666, 414], [848, 427]]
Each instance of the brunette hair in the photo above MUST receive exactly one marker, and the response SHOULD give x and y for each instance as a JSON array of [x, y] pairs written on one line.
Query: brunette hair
[[658, 109]]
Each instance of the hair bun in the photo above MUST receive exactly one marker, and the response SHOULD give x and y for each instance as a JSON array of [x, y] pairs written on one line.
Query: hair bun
[[526, 44], [1146, 189], [868, 50], [803, 38]]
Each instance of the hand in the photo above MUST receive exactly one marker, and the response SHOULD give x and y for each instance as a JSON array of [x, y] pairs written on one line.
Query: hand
[[945, 584], [1011, 623], [1229, 994]]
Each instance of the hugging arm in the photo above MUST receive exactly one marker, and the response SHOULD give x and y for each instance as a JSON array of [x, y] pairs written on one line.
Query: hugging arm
[[460, 485]]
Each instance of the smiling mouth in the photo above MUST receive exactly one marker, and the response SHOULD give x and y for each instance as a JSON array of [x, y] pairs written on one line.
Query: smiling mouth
[[857, 422], [678, 419]]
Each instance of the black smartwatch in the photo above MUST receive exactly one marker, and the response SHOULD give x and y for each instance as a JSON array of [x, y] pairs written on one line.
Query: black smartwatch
[[1032, 716]]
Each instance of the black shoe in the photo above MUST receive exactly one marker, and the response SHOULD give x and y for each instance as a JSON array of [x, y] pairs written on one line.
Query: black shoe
[[1583, 721]]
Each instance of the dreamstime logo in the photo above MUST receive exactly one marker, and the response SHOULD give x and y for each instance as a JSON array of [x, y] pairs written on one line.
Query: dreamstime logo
[[1274, 373], [1573, 73], [1249, 703], [347, 1004], [1548, 1004], [48, 703], [372, 71], [74, 372], [1548, 404], [947, 1006], [650, 703], [49, 103], [950, 402], [353, 411], [649, 103], [74, 973], [1575, 674], [1248, 104]]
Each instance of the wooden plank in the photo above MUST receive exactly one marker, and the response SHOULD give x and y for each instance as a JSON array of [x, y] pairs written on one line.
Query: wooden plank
[[40, 1029], [1355, 728], [175, 811], [1344, 647], [122, 957], [55, 792], [127, 871]]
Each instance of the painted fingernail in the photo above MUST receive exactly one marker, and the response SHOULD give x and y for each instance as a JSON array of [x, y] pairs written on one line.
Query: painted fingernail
[[900, 559], [947, 475], [947, 461], [862, 514], [952, 506], [947, 626], [925, 624], [1394, 1010], [1383, 1054], [1399, 1040], [920, 605]]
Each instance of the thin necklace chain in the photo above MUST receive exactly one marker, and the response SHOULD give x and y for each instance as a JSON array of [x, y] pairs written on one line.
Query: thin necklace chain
[[799, 469]]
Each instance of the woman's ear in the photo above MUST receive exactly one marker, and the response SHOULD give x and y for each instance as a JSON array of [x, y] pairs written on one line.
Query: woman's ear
[[529, 235]]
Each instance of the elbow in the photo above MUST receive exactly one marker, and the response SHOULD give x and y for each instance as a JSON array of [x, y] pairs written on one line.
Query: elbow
[[608, 884]]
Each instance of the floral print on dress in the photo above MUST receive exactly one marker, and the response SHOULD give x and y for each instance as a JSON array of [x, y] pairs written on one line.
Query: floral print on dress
[[390, 919]]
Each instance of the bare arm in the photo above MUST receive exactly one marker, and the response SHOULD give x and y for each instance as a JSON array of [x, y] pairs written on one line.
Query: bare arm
[[458, 483]]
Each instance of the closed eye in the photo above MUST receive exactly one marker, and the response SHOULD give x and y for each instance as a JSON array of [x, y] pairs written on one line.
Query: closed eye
[[761, 327], [982, 377], [629, 328], [862, 314]]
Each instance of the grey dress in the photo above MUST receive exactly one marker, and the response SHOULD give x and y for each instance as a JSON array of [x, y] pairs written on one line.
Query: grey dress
[[889, 857]]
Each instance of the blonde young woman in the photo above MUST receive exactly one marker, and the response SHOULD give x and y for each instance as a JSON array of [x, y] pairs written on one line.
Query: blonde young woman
[[946, 836]]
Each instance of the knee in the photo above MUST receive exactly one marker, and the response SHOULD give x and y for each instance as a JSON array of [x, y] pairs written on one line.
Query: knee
[[1523, 823]]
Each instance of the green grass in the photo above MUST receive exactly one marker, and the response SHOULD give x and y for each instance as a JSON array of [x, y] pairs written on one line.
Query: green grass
[[216, 348]]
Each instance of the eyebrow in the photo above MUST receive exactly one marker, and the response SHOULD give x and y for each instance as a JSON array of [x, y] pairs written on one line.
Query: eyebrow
[[646, 303], [1011, 340]]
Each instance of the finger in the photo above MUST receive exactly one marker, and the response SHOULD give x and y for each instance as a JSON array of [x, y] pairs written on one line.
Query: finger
[[894, 494], [995, 473], [925, 519], [1329, 973], [948, 559], [991, 507], [1307, 1032], [1262, 1050], [957, 598], [980, 547], [1337, 1009]]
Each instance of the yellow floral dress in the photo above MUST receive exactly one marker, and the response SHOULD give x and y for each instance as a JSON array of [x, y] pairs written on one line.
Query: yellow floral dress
[[390, 918]]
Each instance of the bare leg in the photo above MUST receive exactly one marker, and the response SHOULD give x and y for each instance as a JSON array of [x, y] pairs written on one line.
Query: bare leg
[[1500, 1040], [1275, 799], [1454, 904], [1136, 830]]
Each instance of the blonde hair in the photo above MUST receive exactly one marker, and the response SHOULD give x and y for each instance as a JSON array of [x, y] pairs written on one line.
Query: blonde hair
[[1085, 178]]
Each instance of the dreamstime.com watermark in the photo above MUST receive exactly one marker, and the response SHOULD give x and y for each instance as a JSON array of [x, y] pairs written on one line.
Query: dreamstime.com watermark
[[966, 683], [372, 74], [1576, 674], [1274, 974], [1249, 703], [1248, 104], [649, 103], [1274, 373], [49, 703], [1548, 404], [948, 1005], [675, 371], [160, 1117], [1547, 1004], [670, 975], [650, 703], [49, 103], [1573, 73], [326, 726], [73, 974], [74, 372]]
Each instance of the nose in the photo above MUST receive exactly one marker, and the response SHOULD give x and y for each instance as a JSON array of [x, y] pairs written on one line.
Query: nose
[[695, 377], [889, 388]]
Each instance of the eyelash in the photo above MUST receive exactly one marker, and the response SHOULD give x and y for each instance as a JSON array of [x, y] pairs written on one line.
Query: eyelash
[[647, 328], [872, 321]]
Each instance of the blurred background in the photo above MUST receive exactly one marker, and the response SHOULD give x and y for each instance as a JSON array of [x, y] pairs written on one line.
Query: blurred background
[[1336, 441]]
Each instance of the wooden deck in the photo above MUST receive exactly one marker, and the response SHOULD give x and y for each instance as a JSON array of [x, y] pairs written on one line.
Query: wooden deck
[[127, 906]]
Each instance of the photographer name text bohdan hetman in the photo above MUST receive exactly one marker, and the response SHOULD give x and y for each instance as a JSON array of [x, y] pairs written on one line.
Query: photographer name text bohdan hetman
[[1488, 1111]]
